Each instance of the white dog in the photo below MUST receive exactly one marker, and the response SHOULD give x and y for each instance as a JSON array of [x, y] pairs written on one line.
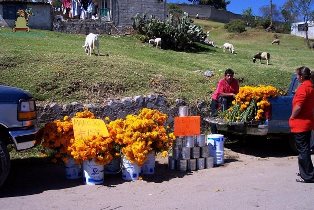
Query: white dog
[[91, 42], [228, 46]]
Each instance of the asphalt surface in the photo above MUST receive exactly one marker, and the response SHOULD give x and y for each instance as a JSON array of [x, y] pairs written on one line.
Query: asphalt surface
[[254, 176]]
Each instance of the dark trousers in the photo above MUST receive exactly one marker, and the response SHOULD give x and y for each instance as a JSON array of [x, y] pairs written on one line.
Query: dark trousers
[[223, 103], [302, 141]]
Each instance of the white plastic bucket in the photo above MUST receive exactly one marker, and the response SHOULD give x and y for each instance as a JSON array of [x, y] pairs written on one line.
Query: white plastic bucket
[[72, 169], [113, 167], [149, 166], [93, 172], [130, 171], [216, 147]]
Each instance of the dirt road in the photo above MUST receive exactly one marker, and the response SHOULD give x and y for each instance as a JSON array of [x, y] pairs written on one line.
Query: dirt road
[[254, 177]]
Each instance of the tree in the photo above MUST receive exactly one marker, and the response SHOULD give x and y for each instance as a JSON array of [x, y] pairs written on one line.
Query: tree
[[302, 10], [248, 17], [218, 4], [270, 13]]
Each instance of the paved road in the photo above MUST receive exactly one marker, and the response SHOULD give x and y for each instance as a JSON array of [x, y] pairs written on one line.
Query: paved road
[[250, 179]]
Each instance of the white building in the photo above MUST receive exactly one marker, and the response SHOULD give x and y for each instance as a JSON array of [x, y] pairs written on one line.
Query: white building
[[298, 29]]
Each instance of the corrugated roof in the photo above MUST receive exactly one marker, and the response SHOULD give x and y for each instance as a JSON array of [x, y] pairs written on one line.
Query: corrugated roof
[[27, 1]]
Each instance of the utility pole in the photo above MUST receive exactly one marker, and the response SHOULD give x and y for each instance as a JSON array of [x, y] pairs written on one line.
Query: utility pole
[[271, 12], [270, 27]]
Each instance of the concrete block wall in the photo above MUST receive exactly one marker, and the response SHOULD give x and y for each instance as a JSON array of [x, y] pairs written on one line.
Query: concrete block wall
[[42, 16], [124, 10]]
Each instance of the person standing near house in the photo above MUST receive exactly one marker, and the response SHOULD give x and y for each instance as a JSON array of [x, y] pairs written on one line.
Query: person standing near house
[[84, 5], [67, 8], [224, 94], [301, 123]]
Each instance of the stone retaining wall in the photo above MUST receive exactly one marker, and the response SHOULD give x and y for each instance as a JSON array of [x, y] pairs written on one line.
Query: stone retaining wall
[[119, 108]]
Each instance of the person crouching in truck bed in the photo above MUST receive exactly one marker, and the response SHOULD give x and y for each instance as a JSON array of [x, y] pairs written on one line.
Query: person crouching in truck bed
[[224, 94]]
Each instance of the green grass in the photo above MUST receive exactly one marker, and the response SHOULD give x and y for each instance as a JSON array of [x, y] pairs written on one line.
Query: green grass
[[53, 66]]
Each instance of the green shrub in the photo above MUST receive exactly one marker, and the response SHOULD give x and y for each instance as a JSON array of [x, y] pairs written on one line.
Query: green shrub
[[177, 32], [237, 26]]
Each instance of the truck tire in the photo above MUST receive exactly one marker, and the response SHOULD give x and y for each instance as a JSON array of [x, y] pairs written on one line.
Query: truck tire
[[4, 162]]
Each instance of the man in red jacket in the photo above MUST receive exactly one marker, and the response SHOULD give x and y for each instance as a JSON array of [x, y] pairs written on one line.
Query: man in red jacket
[[301, 123], [224, 94]]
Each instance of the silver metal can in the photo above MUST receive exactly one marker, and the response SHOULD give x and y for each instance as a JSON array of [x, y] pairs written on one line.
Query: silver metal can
[[189, 141], [178, 142], [191, 165], [200, 163], [185, 153], [182, 165], [209, 162], [195, 152], [183, 111], [201, 140], [176, 153], [205, 151], [171, 163]]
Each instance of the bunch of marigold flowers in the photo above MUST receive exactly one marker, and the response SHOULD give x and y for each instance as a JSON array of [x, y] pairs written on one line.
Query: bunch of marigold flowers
[[251, 103], [59, 136], [138, 135]]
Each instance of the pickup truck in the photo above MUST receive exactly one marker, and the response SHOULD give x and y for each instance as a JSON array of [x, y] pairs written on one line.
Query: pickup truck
[[18, 124], [277, 124]]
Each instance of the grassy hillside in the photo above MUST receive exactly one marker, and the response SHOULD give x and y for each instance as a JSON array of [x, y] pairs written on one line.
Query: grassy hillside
[[54, 67]]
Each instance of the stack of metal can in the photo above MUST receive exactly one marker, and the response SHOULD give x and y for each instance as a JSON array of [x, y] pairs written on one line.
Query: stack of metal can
[[190, 153]]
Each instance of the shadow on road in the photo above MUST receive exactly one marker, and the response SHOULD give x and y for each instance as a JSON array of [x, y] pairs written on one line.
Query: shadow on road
[[33, 176], [36, 175], [261, 147]]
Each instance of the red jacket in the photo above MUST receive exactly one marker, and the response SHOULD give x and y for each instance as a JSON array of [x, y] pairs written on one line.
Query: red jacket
[[224, 87], [304, 97]]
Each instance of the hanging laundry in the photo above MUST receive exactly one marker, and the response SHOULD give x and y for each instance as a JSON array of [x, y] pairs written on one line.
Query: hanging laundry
[[90, 8], [76, 8]]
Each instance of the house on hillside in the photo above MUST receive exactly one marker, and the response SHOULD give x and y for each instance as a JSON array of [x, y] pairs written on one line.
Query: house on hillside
[[41, 17], [298, 29], [113, 16], [120, 12], [209, 12]]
